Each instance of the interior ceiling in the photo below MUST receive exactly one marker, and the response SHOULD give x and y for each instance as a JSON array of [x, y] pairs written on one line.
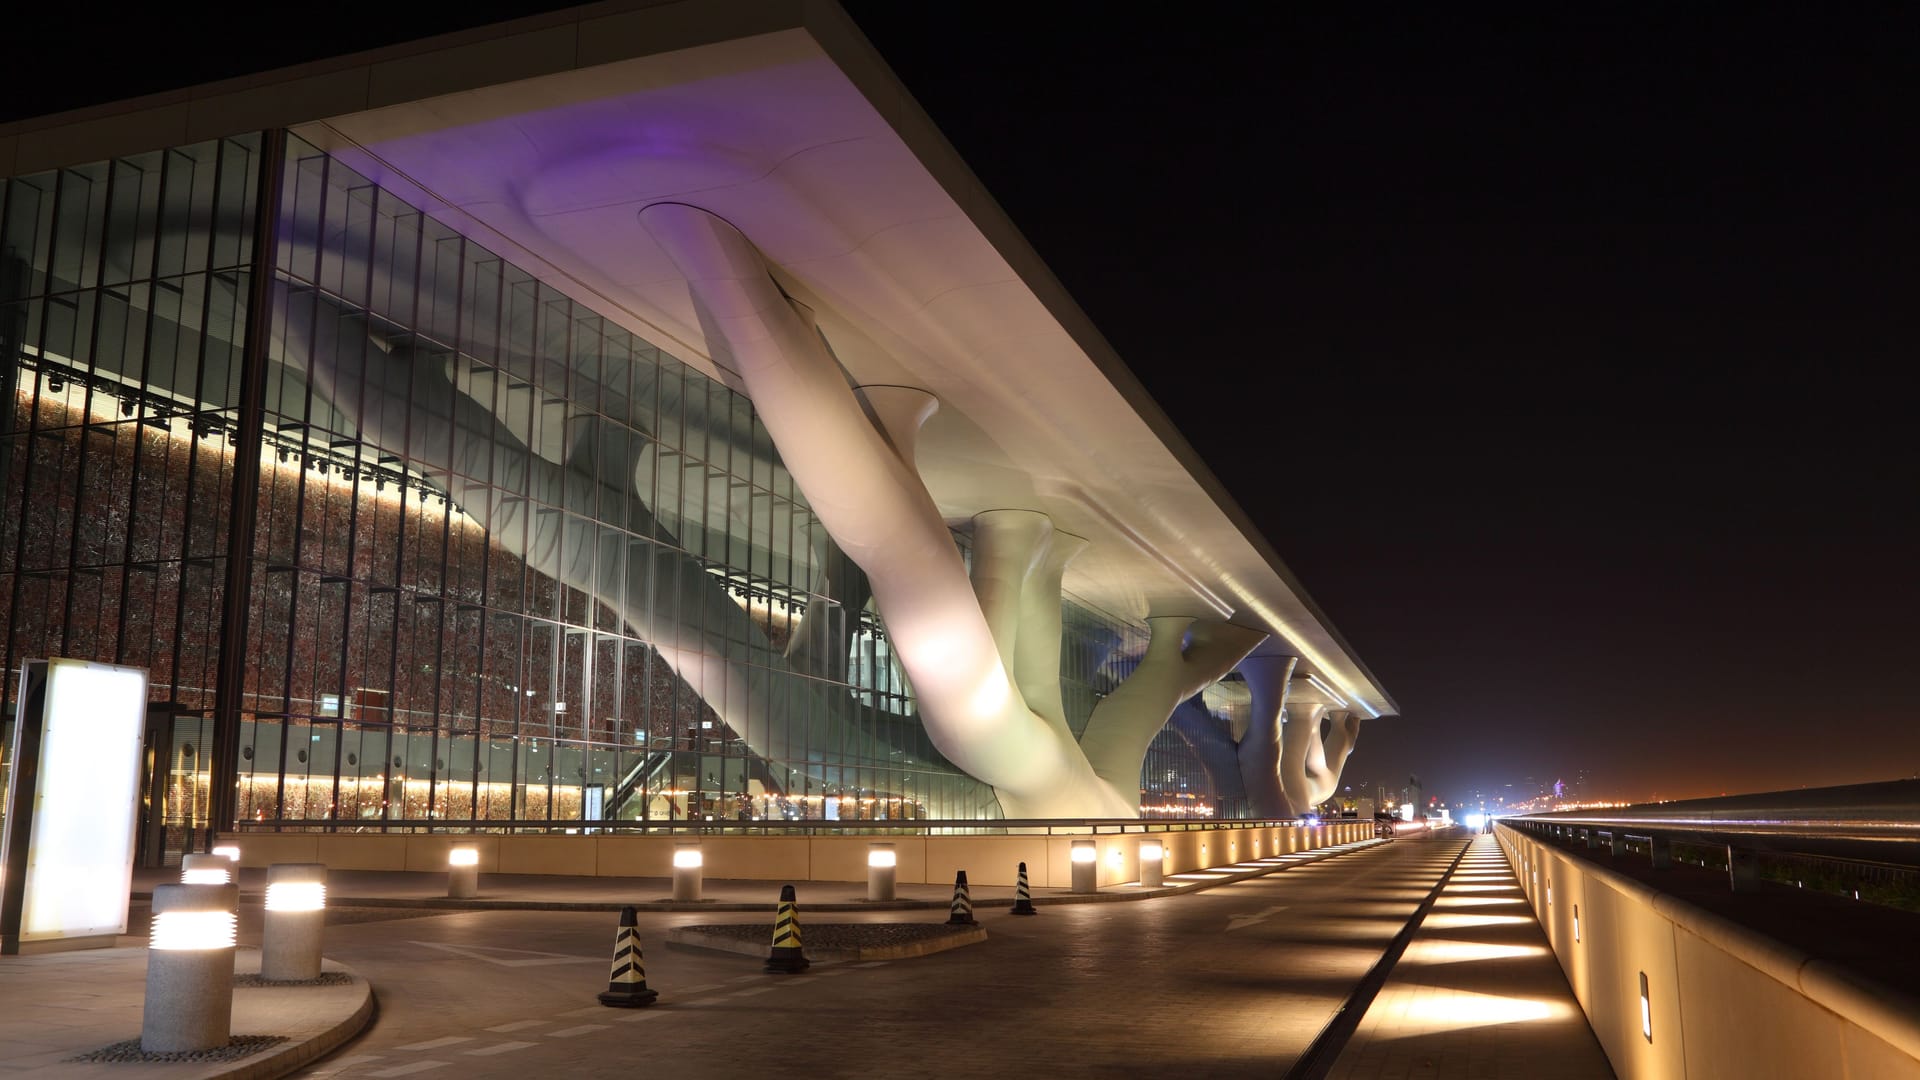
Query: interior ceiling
[[769, 133]]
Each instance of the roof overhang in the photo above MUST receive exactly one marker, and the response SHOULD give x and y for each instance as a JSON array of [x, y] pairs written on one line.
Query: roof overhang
[[543, 138]]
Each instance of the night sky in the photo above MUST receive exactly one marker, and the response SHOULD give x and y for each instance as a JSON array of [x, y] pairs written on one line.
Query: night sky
[[1568, 361]]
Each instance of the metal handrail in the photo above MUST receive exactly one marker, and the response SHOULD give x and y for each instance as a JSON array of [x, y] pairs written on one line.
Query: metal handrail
[[1854, 822], [812, 827]]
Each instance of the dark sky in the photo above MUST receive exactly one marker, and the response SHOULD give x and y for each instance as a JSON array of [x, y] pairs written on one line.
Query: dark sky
[[1568, 361]]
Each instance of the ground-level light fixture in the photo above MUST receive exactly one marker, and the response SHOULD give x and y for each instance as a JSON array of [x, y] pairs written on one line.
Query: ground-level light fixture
[[881, 863], [189, 996], [1646, 1010], [1153, 857], [206, 869], [689, 872], [1086, 866], [295, 917], [463, 871]]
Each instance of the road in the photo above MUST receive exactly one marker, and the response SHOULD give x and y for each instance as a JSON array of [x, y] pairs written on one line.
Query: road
[[1233, 981]]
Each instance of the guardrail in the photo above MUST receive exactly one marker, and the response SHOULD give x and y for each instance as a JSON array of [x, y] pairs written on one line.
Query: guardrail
[[1867, 825]]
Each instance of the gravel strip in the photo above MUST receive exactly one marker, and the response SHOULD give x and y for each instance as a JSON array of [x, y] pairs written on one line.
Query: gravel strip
[[327, 978], [238, 1047]]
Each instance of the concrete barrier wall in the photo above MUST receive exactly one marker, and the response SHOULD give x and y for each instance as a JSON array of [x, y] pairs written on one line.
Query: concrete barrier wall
[[988, 860], [1723, 1000]]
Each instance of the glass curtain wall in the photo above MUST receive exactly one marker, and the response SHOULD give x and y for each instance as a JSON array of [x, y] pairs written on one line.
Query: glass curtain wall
[[123, 295], [512, 562], [517, 564]]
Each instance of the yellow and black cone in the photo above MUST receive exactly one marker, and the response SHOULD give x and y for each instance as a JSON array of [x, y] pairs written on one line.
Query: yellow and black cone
[[1023, 896], [786, 955], [962, 907], [627, 985]]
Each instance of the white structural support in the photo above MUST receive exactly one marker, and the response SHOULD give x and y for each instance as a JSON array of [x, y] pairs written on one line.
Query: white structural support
[[1268, 678], [1310, 765], [959, 636], [1183, 656]]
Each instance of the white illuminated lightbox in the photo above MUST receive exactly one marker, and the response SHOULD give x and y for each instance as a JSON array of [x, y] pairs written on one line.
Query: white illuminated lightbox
[[66, 854]]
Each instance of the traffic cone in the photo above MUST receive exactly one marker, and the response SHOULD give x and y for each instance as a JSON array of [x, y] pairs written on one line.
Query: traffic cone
[[962, 910], [627, 985], [1023, 896], [786, 955]]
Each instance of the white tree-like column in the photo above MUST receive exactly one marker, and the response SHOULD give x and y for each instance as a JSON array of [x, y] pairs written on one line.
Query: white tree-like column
[[982, 650]]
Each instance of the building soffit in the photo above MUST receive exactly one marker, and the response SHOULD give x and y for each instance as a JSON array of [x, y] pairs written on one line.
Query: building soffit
[[804, 139]]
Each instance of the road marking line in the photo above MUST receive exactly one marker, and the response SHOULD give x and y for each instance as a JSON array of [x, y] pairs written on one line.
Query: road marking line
[[753, 991], [409, 1070], [519, 1025], [332, 1067], [591, 1010], [525, 957], [873, 964], [435, 1044], [702, 1001], [632, 1015], [503, 1048], [702, 989], [568, 1033], [747, 978]]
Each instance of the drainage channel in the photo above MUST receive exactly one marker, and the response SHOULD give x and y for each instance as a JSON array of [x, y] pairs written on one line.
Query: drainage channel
[[1325, 1049]]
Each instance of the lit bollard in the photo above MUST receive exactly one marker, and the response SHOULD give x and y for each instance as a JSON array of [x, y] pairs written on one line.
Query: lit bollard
[[296, 912], [463, 872], [206, 869], [232, 853], [189, 1002], [881, 862], [1153, 856], [1086, 867], [688, 872]]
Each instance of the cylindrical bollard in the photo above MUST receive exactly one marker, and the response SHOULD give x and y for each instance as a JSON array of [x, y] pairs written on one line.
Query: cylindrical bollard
[[189, 1002], [231, 851], [206, 869], [960, 911], [1086, 867], [688, 872], [787, 956], [1153, 857], [627, 980], [463, 872], [296, 913], [1023, 895], [881, 862]]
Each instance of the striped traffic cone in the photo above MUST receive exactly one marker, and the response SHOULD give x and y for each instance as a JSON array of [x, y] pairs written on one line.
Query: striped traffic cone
[[1023, 896], [786, 955], [627, 985], [962, 909]]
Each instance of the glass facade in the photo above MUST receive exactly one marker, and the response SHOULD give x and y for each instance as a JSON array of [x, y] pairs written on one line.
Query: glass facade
[[510, 562]]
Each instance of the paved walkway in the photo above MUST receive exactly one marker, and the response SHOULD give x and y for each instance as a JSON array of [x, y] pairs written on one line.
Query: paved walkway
[[1477, 993], [56, 1006], [1235, 981]]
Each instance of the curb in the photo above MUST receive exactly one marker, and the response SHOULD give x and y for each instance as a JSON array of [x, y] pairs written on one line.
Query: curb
[[292, 1056], [687, 938]]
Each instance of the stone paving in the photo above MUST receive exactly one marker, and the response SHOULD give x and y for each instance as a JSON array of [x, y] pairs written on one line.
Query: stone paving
[[1477, 993], [57, 1006]]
